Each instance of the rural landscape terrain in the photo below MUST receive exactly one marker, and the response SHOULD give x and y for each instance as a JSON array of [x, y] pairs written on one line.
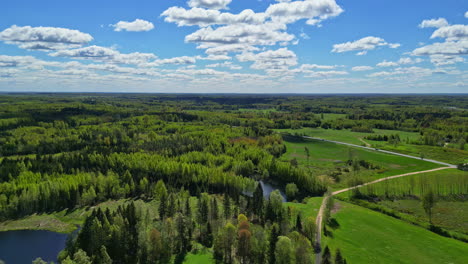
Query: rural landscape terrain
[[234, 132], [198, 178]]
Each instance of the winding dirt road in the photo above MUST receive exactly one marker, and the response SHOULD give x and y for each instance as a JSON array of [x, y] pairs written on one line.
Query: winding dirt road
[[318, 221]]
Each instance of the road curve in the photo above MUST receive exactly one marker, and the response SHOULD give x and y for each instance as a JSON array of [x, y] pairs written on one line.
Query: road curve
[[318, 220], [383, 151]]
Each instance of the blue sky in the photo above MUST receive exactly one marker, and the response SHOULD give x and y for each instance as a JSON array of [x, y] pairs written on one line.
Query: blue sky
[[235, 46]]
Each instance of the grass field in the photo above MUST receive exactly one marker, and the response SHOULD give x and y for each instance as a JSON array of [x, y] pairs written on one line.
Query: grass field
[[199, 258], [450, 155], [450, 215], [401, 195], [325, 157], [308, 209], [365, 236], [450, 183], [63, 221], [348, 136]]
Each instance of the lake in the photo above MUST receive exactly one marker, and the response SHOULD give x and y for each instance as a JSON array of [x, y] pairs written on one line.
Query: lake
[[23, 246], [268, 188]]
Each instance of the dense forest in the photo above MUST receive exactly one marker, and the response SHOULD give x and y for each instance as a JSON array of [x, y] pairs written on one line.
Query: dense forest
[[189, 167]]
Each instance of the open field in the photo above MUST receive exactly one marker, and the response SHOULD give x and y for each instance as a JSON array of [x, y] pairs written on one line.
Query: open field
[[365, 236], [325, 157], [450, 155], [450, 215], [348, 136], [63, 221], [402, 197], [449, 183], [199, 258], [308, 209]]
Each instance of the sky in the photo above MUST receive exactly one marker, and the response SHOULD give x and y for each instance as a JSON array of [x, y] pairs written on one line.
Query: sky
[[234, 46]]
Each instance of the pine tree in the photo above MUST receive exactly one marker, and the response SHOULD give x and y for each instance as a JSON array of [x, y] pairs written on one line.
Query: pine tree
[[103, 257], [339, 258], [326, 256], [299, 223], [273, 239], [227, 207]]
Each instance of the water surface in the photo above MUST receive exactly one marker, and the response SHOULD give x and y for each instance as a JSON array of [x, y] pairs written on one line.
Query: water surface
[[268, 188], [23, 246]]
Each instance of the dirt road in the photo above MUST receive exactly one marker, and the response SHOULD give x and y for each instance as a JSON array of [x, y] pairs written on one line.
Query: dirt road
[[383, 151], [318, 221]]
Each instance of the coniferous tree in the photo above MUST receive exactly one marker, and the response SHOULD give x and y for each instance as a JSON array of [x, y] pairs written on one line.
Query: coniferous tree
[[326, 256]]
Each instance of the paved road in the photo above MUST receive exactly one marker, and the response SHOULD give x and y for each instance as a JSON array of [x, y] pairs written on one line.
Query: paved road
[[383, 151], [318, 221]]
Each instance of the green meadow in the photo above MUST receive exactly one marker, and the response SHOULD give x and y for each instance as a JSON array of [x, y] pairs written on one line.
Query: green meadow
[[402, 197], [309, 208], [348, 136], [365, 236], [446, 154], [326, 157]]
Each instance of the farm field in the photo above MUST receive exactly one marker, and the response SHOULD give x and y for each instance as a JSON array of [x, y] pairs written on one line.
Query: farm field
[[450, 215], [449, 183], [346, 135], [450, 155], [402, 197], [326, 157], [365, 236]]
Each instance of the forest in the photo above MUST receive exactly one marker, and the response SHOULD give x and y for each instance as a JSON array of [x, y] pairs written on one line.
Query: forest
[[185, 170]]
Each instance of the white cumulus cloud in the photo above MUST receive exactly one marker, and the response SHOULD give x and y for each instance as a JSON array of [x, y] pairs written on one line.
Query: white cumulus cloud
[[263, 34], [44, 38], [401, 61], [282, 58], [451, 33], [363, 45], [210, 4], [136, 26], [434, 23], [362, 68], [206, 17], [98, 53], [316, 11]]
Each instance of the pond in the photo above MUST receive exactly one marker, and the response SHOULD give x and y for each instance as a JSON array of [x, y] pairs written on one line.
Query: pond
[[23, 246], [269, 187]]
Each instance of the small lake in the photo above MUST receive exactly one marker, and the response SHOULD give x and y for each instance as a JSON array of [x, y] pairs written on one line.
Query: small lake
[[23, 246], [268, 188]]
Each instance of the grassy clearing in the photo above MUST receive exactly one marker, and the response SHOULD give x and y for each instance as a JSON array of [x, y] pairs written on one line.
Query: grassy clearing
[[450, 215], [325, 157], [65, 221], [450, 155], [331, 116], [308, 209], [264, 111], [449, 183], [48, 222], [199, 258], [402, 195], [348, 136], [365, 236]]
